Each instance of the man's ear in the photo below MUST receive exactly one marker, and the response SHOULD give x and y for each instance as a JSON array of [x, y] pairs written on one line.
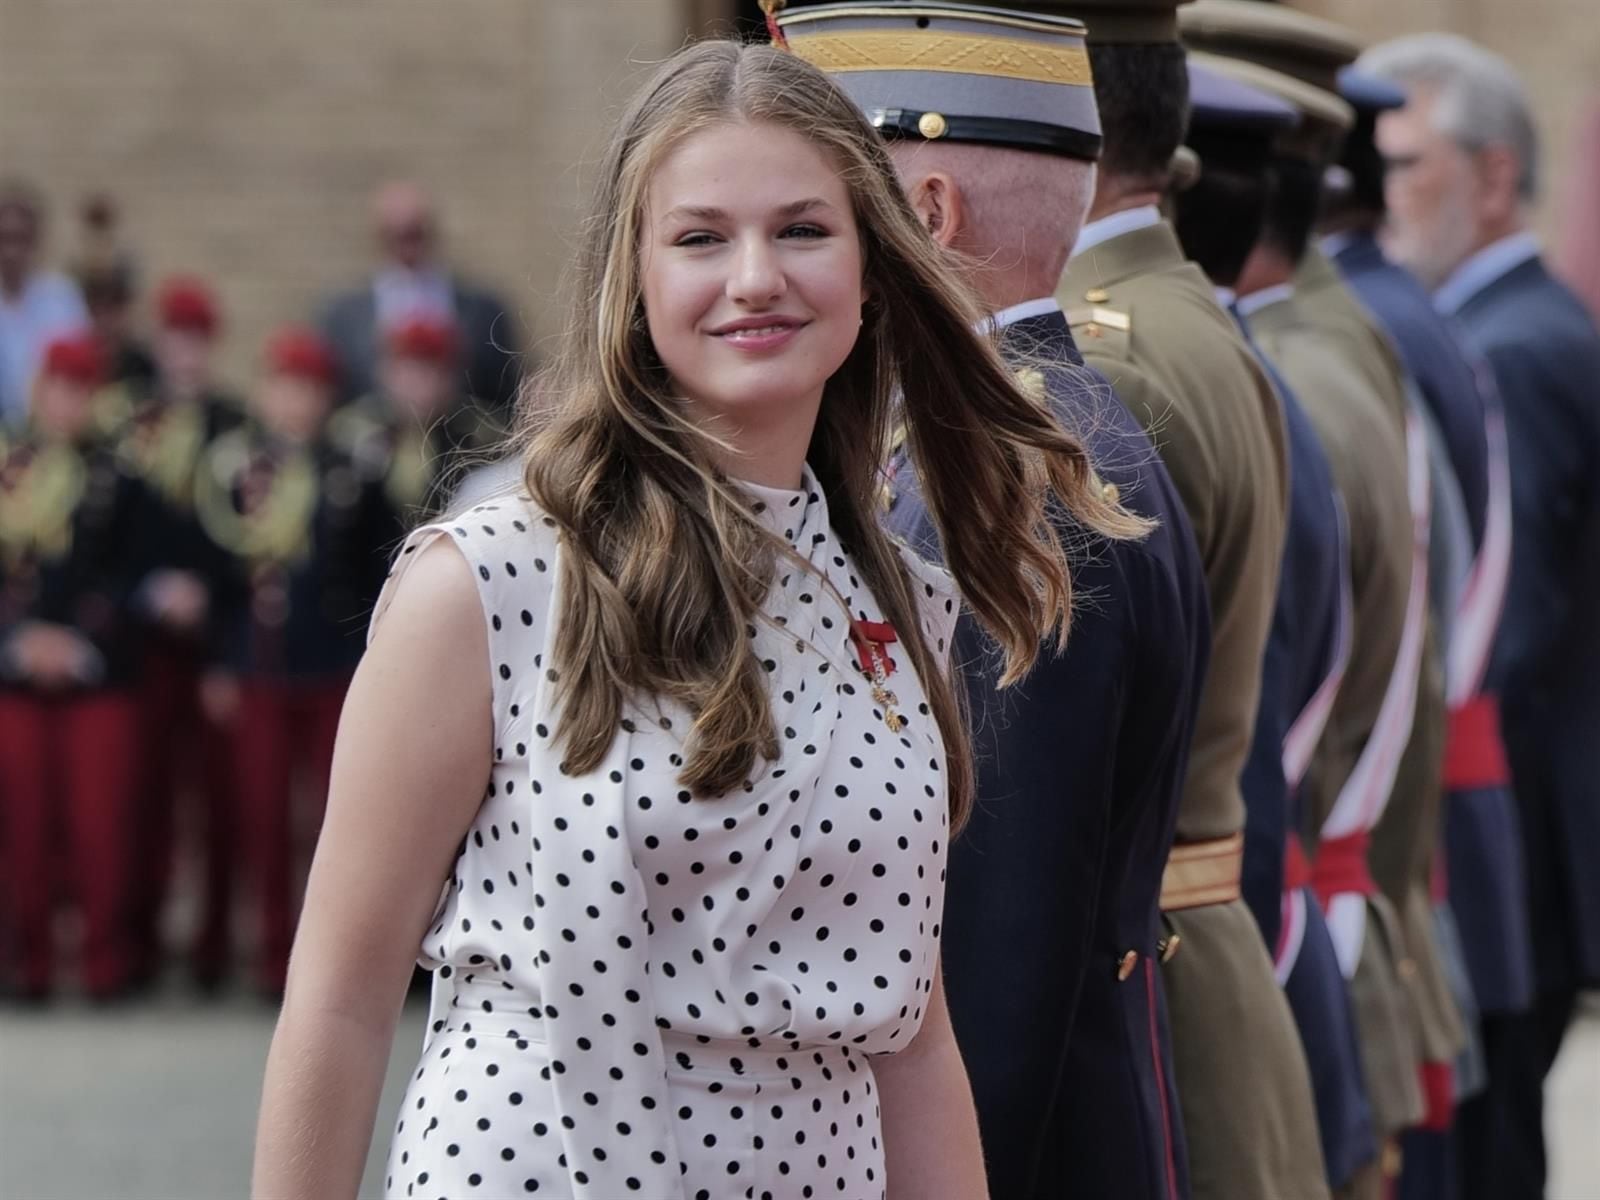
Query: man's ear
[[1499, 169], [936, 198]]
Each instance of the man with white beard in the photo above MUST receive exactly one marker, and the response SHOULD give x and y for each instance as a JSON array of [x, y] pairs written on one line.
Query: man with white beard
[[1462, 159]]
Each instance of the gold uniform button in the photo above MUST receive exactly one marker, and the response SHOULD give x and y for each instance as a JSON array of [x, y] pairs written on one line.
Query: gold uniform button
[[1097, 295], [1110, 493], [1126, 965], [932, 125]]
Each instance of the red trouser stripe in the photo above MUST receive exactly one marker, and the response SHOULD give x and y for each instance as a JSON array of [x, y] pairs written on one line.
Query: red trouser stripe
[[1161, 1079], [1438, 1091]]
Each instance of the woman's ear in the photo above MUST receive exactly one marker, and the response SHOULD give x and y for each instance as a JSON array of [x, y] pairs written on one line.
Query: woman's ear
[[936, 199]]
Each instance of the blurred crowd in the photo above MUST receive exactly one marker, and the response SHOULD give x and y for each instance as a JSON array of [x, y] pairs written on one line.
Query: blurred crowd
[[186, 572]]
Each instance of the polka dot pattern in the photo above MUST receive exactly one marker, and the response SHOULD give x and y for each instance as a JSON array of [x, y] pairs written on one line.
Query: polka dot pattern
[[641, 993]]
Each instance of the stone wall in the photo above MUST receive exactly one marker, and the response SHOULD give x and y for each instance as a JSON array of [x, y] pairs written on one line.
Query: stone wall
[[244, 136]]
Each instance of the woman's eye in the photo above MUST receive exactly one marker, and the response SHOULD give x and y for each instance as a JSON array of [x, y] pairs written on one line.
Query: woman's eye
[[805, 231], [696, 239]]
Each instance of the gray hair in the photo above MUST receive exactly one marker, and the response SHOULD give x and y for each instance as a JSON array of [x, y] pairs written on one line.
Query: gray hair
[[1481, 101]]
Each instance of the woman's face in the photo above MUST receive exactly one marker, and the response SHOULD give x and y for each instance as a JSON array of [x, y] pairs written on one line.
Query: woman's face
[[752, 280]]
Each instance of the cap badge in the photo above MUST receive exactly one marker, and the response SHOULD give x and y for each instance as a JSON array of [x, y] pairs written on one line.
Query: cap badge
[[932, 125]]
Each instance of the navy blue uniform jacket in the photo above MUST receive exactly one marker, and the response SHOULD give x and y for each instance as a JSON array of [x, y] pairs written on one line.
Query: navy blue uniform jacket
[[1058, 874]]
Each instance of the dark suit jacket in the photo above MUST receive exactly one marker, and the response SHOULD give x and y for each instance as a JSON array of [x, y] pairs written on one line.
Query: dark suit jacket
[[1545, 352], [491, 359], [1058, 875]]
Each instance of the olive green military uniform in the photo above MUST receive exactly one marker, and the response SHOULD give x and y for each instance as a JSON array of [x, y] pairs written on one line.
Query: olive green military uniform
[[1406, 840], [1366, 452], [1402, 1002], [1148, 320]]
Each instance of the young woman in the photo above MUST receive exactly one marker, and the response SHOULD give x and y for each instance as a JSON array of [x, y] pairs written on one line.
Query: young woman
[[673, 728]]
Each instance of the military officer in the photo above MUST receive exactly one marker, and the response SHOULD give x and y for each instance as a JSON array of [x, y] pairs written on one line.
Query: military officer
[[1349, 779], [1405, 839], [1463, 157], [74, 534], [308, 536], [1219, 217], [1148, 320], [1051, 932]]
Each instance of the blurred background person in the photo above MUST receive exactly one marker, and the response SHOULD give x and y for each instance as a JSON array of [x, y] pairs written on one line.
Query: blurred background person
[[309, 537], [72, 537], [418, 430], [108, 276], [165, 427], [37, 305], [1463, 173], [412, 281]]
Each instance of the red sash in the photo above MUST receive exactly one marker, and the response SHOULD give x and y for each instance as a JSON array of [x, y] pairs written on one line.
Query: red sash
[[1475, 755], [1340, 868]]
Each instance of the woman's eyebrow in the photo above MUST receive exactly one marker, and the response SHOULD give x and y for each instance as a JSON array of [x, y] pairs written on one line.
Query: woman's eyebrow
[[700, 212]]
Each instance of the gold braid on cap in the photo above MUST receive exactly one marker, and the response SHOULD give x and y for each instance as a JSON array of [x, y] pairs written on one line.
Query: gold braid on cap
[[775, 31]]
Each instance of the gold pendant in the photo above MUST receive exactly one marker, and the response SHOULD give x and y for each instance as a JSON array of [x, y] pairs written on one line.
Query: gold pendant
[[881, 692]]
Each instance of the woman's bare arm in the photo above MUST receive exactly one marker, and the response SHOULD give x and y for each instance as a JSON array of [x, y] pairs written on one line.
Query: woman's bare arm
[[930, 1128], [409, 772]]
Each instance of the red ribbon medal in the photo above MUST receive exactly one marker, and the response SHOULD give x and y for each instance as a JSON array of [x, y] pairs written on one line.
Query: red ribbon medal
[[873, 635]]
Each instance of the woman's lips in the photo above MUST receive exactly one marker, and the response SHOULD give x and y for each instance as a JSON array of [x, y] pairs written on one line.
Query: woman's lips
[[769, 335]]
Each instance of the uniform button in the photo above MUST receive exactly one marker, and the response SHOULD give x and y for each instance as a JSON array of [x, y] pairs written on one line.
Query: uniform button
[[932, 125], [1097, 295], [1126, 965], [1110, 493]]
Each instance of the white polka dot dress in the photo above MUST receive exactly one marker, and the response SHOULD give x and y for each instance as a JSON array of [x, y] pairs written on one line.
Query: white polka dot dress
[[637, 993]]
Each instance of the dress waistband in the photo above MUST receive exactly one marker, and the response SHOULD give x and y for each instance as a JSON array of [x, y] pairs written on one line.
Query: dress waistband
[[488, 1009]]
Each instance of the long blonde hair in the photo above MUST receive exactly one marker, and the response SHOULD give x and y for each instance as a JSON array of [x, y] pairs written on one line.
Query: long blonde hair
[[666, 566]]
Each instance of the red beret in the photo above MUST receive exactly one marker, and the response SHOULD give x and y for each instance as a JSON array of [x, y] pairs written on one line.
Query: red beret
[[188, 304], [78, 358], [301, 352], [427, 338]]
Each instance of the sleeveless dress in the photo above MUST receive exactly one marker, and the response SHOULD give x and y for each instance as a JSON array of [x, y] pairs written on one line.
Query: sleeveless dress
[[641, 993]]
